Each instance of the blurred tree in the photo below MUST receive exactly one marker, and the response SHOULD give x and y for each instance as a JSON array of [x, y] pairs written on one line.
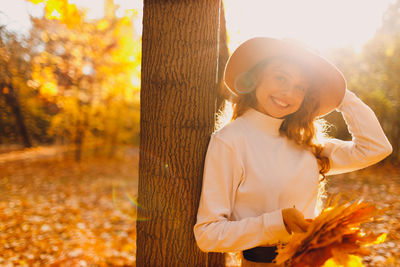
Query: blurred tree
[[180, 83], [14, 70], [90, 71], [384, 57], [348, 61], [374, 75], [379, 80]]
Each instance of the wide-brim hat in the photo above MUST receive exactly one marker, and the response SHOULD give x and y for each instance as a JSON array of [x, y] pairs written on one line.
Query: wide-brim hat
[[326, 77]]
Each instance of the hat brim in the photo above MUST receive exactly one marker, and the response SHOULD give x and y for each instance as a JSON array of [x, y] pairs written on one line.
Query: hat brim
[[326, 77]]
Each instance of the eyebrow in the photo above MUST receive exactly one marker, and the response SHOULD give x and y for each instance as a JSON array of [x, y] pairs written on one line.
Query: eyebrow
[[280, 70]]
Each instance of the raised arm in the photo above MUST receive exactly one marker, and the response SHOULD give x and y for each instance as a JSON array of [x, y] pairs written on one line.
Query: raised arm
[[214, 229], [369, 144]]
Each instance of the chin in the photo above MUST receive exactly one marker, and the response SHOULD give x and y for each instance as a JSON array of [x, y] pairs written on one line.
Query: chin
[[284, 116]]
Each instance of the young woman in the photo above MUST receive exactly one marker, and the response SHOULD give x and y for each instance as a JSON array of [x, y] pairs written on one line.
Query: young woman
[[263, 169]]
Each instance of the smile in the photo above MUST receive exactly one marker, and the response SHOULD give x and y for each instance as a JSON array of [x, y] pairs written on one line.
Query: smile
[[279, 102]]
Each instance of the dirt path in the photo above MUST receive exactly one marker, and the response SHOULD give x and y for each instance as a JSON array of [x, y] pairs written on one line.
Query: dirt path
[[32, 154]]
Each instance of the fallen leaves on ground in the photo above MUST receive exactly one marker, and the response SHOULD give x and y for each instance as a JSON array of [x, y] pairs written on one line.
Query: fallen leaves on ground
[[379, 185], [63, 213]]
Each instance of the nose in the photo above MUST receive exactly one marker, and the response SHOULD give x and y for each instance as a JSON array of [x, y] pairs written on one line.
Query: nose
[[287, 89]]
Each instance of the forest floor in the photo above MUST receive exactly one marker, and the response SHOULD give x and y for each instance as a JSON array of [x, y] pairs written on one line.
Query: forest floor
[[379, 185], [56, 212]]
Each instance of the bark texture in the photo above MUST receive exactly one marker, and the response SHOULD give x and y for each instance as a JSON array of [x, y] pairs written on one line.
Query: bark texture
[[178, 104]]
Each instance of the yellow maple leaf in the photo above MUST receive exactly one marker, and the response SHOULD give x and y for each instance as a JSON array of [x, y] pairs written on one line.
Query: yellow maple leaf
[[354, 261]]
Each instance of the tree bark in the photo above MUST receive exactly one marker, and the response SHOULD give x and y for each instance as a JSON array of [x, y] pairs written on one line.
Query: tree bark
[[178, 104]]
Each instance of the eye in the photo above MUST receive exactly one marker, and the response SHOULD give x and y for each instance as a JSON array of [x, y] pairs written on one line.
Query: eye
[[301, 88], [280, 78]]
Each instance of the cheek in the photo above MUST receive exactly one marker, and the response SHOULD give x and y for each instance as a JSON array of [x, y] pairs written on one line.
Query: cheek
[[264, 90], [298, 101], [261, 94]]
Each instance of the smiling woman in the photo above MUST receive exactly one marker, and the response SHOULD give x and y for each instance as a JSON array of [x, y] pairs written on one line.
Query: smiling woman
[[263, 170], [321, 24]]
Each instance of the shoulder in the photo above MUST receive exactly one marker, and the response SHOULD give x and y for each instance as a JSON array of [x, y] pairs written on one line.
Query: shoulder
[[231, 133], [228, 142]]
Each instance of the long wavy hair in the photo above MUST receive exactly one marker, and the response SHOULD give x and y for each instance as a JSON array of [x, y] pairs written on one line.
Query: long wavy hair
[[303, 126]]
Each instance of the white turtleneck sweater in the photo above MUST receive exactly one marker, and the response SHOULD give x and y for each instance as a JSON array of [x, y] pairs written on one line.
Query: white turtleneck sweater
[[251, 173]]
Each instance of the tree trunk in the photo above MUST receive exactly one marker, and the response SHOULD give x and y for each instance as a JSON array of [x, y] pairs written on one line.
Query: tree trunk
[[80, 132], [12, 101], [178, 105], [224, 92], [78, 142]]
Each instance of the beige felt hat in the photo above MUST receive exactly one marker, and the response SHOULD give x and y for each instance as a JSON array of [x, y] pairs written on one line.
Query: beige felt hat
[[327, 77]]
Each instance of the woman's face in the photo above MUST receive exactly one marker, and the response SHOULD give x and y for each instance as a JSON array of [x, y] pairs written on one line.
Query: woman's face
[[281, 90]]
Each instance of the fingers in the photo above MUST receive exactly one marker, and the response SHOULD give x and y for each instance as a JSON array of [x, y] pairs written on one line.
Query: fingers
[[294, 220], [297, 227], [303, 224], [294, 227]]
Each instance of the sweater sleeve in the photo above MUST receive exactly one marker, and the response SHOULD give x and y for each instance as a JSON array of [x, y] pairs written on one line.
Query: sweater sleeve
[[214, 229], [369, 144]]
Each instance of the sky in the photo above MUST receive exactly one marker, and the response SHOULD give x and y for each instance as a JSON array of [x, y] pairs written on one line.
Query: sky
[[322, 24]]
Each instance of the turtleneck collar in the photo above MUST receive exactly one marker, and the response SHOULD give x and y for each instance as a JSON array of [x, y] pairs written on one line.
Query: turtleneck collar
[[263, 121]]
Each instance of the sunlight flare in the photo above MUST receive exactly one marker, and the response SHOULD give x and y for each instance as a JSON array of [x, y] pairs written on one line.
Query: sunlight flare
[[320, 24]]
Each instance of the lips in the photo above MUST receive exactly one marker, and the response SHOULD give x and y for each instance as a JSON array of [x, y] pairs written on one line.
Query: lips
[[279, 102]]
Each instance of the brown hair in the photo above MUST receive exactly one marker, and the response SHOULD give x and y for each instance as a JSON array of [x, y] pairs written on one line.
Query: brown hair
[[302, 127]]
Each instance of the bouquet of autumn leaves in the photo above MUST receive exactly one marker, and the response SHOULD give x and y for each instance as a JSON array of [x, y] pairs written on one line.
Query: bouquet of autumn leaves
[[334, 238]]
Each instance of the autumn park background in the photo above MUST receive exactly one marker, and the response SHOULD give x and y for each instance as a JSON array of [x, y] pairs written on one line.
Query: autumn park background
[[79, 96]]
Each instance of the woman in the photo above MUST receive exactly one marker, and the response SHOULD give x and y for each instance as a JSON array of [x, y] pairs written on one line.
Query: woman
[[262, 170]]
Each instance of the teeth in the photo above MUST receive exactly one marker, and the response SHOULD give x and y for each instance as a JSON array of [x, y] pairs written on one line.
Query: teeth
[[280, 103]]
